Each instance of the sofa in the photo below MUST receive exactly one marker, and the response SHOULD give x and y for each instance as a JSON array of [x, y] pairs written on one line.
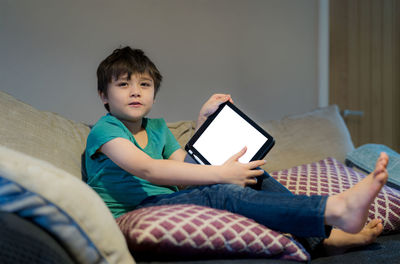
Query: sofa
[[49, 215]]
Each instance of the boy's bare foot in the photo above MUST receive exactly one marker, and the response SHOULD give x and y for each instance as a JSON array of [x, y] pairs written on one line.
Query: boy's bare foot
[[349, 209], [340, 241]]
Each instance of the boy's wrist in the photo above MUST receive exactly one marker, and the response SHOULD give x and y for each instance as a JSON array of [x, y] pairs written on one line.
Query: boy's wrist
[[220, 174], [200, 120]]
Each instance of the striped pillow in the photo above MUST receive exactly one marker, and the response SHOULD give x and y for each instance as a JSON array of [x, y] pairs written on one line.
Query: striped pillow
[[329, 176], [192, 231]]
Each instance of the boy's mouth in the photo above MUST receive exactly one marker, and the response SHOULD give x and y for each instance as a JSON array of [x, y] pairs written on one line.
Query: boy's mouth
[[135, 104]]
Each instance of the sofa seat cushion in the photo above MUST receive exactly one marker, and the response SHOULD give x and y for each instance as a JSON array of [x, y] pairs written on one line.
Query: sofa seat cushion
[[62, 205], [196, 232], [329, 176]]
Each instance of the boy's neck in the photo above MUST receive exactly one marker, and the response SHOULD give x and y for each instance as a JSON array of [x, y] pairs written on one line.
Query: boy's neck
[[134, 127]]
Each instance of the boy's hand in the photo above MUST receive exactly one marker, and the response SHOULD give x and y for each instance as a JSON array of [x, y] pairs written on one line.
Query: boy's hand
[[241, 173], [211, 106]]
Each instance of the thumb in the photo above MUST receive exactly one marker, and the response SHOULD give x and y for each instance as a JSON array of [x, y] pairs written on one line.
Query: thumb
[[237, 156]]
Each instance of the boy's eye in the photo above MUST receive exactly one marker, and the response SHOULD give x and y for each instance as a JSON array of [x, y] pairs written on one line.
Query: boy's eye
[[145, 84], [122, 84]]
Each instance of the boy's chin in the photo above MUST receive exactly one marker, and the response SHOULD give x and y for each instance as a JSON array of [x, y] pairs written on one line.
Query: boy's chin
[[131, 119], [131, 116]]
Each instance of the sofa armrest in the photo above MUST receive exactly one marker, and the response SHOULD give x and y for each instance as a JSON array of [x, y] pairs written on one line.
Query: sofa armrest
[[24, 242]]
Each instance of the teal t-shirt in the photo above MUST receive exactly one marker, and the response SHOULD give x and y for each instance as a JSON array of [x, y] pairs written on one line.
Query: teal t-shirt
[[120, 190]]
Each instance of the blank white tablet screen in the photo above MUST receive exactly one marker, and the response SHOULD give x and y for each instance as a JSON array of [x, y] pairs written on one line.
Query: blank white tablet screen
[[226, 136]]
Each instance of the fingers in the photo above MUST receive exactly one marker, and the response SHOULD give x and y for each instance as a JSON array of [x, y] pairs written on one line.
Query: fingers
[[256, 164], [251, 181], [252, 174], [228, 98], [221, 98], [213, 103], [255, 173], [237, 156]]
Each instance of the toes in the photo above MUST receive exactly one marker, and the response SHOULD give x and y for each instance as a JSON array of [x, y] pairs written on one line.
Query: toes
[[375, 227], [378, 171], [383, 158], [373, 223], [377, 230]]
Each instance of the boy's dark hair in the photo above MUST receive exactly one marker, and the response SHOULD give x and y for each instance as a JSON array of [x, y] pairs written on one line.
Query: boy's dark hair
[[126, 61]]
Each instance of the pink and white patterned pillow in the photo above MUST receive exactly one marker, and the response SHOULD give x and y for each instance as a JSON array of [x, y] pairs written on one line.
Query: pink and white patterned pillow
[[191, 231], [329, 176]]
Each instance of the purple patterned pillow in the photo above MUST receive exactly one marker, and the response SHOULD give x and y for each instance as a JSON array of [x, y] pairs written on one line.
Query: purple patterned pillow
[[191, 231], [328, 176]]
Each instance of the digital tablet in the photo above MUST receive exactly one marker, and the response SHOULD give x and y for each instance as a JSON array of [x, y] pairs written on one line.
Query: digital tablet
[[224, 134]]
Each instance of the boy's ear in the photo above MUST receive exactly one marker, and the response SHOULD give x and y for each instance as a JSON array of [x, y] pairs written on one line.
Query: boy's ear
[[103, 97]]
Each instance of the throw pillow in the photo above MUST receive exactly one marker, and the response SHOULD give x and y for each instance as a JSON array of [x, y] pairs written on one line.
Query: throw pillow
[[47, 136], [329, 176], [305, 138], [183, 131], [191, 231], [62, 205]]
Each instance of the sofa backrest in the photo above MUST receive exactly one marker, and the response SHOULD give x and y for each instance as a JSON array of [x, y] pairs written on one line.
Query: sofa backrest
[[53, 138], [44, 135], [48, 136]]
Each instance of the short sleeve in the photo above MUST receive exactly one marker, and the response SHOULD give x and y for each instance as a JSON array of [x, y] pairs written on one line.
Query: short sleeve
[[171, 144], [106, 129]]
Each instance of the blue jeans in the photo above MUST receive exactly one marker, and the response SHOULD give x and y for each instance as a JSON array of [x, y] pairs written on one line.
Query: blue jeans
[[273, 206]]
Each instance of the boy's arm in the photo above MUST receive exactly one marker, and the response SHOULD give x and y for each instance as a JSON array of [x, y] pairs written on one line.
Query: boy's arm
[[172, 172], [178, 155]]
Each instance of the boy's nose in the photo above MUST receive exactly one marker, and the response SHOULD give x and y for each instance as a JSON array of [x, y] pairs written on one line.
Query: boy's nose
[[135, 91]]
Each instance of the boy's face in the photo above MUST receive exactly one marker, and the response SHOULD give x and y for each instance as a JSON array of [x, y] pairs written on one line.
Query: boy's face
[[130, 99]]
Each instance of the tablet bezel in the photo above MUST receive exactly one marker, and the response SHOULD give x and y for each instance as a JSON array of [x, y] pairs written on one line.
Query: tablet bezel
[[261, 153]]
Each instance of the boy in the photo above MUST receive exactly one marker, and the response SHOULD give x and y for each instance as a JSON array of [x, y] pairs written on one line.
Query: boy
[[133, 161]]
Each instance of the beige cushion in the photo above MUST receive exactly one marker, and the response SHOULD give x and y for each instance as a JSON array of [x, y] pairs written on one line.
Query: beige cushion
[[65, 194], [308, 137], [44, 135], [183, 131], [300, 139]]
